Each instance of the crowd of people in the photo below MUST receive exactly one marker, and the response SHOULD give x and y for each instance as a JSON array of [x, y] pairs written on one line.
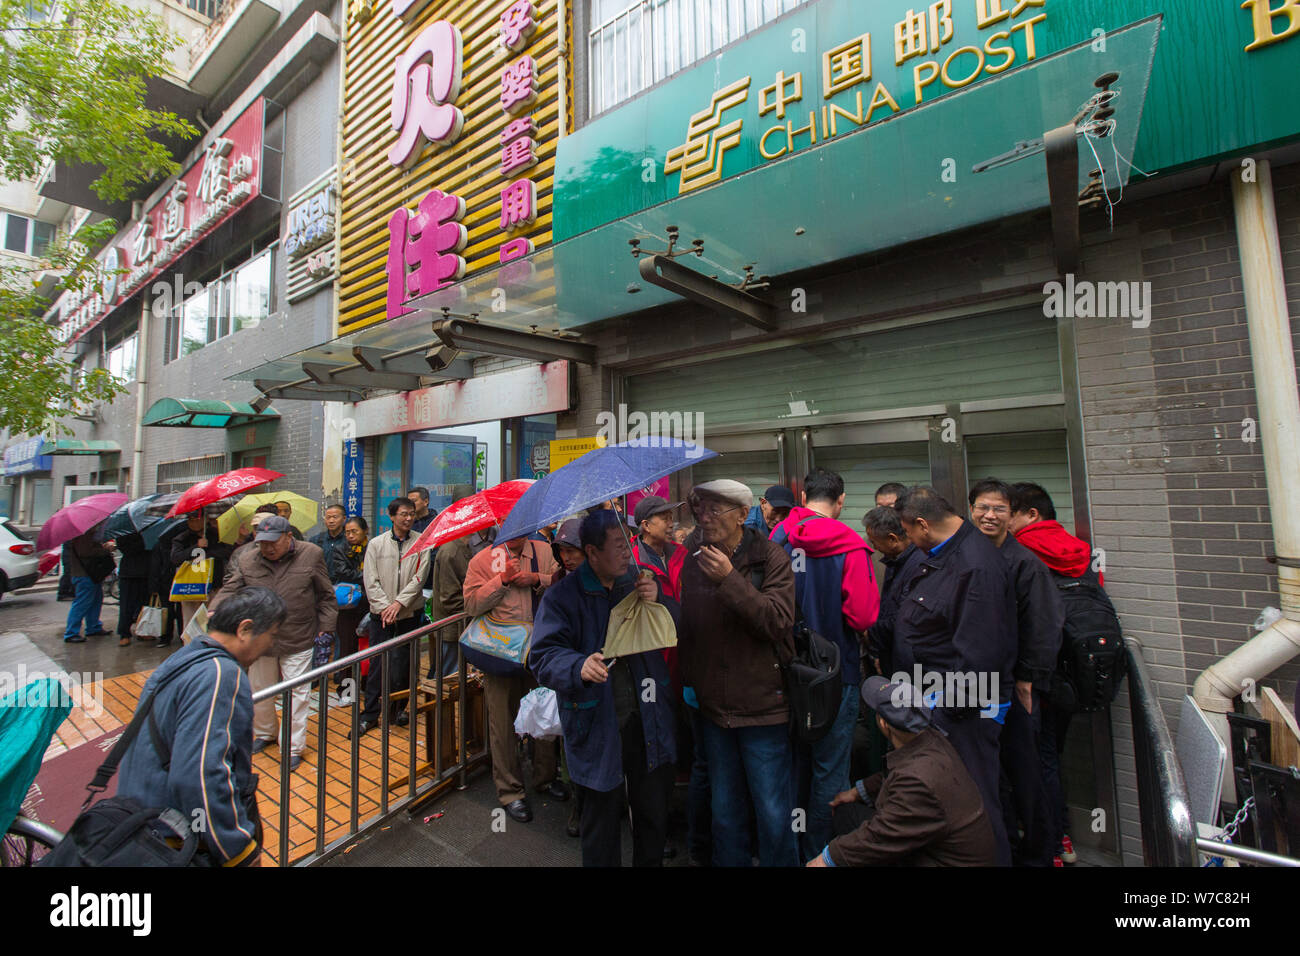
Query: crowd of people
[[960, 770]]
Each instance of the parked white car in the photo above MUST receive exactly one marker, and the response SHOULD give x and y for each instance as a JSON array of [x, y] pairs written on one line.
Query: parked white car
[[18, 559]]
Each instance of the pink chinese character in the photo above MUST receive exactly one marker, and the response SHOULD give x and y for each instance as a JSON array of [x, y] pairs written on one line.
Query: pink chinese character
[[524, 126], [518, 204], [422, 111], [517, 25], [518, 85], [423, 249], [516, 155], [515, 249]]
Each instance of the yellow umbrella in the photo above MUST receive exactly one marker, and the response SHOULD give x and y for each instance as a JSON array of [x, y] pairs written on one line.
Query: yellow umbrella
[[303, 516]]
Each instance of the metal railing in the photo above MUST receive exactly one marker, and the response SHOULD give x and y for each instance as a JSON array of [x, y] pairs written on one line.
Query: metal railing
[[1168, 830], [414, 795]]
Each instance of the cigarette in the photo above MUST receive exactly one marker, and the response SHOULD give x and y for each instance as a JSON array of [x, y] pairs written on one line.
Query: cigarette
[[697, 553]]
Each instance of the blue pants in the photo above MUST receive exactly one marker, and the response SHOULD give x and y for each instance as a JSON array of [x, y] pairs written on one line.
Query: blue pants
[[87, 600], [1054, 725], [1024, 794], [977, 741], [699, 810], [821, 770], [750, 765]]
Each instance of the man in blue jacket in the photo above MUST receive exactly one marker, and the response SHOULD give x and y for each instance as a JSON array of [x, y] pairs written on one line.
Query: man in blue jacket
[[955, 634], [204, 720], [617, 715]]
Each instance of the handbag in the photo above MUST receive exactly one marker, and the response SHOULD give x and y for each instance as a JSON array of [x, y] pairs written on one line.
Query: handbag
[[348, 596], [152, 620], [497, 646], [119, 831], [192, 580]]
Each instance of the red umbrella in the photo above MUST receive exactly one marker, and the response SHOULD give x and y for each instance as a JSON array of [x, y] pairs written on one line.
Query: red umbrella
[[478, 511], [77, 518], [222, 486]]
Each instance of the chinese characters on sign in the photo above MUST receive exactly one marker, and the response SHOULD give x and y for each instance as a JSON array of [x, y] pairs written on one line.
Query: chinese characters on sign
[[225, 179], [518, 92], [354, 469], [846, 74], [424, 249], [426, 82]]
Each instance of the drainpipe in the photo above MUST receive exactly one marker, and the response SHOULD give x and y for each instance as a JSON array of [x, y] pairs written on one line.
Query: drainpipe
[[141, 380], [1279, 428]]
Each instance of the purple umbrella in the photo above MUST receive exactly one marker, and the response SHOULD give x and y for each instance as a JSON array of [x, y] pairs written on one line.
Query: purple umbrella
[[78, 518]]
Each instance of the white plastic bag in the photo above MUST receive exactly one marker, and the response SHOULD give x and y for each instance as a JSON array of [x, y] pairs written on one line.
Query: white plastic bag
[[539, 715]]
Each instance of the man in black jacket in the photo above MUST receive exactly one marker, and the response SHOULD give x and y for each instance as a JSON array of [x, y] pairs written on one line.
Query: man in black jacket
[[901, 559], [955, 634], [1040, 616]]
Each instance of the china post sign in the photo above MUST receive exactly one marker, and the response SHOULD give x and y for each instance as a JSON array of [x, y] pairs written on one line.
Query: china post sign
[[354, 489]]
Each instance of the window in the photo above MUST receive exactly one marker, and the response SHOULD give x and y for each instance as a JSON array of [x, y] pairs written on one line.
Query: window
[[121, 358], [240, 298], [632, 46], [179, 475], [42, 236], [252, 293], [16, 233], [28, 236]]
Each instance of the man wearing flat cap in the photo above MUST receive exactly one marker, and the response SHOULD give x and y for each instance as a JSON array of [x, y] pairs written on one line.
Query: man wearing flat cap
[[924, 810], [737, 599]]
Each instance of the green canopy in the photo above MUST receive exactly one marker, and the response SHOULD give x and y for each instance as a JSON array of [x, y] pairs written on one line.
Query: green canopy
[[204, 413], [74, 446]]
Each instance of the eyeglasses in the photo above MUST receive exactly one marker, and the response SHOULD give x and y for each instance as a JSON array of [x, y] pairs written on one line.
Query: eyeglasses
[[404, 514], [991, 509], [713, 511]]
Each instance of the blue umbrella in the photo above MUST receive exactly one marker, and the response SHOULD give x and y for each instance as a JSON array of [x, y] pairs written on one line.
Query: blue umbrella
[[596, 477]]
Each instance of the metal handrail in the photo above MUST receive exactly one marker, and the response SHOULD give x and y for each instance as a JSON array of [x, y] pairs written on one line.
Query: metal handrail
[[414, 796], [1168, 830], [1247, 853]]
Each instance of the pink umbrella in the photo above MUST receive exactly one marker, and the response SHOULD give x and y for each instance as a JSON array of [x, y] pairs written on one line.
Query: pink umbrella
[[78, 518], [478, 511], [222, 486]]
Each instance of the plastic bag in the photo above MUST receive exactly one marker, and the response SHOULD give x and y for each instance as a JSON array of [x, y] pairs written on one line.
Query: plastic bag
[[539, 715], [151, 621]]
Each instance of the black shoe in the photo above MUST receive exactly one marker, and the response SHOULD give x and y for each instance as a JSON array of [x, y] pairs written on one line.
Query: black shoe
[[556, 790], [520, 811], [365, 728], [294, 761], [402, 719], [164, 642], [75, 639], [574, 826], [96, 633], [261, 744]]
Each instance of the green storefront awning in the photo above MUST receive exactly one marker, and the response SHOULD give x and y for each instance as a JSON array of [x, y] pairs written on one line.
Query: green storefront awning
[[203, 413], [73, 446]]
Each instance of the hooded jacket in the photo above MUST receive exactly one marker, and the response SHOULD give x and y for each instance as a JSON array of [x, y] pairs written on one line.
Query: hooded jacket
[[1059, 550], [834, 583], [735, 636]]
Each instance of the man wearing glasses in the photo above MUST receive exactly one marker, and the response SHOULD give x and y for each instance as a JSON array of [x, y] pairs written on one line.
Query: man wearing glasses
[[1040, 617], [737, 598]]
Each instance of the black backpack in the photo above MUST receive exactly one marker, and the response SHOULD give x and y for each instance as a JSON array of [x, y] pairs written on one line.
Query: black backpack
[[119, 831], [814, 685], [1092, 662]]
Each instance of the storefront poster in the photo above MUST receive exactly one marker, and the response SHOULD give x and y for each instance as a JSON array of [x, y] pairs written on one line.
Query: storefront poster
[[389, 478]]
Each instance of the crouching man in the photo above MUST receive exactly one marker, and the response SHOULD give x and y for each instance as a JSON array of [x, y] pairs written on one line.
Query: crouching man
[[924, 810], [199, 761], [617, 714]]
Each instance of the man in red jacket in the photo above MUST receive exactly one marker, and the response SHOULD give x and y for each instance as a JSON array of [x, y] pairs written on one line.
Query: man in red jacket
[[836, 591], [1033, 523]]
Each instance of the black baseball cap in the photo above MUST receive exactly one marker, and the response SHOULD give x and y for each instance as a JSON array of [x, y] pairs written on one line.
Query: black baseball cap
[[650, 506], [779, 496]]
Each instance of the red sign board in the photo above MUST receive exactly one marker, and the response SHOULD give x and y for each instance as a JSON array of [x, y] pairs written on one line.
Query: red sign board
[[226, 178]]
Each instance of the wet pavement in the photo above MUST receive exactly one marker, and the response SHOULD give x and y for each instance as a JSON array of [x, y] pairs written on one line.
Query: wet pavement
[[41, 617]]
